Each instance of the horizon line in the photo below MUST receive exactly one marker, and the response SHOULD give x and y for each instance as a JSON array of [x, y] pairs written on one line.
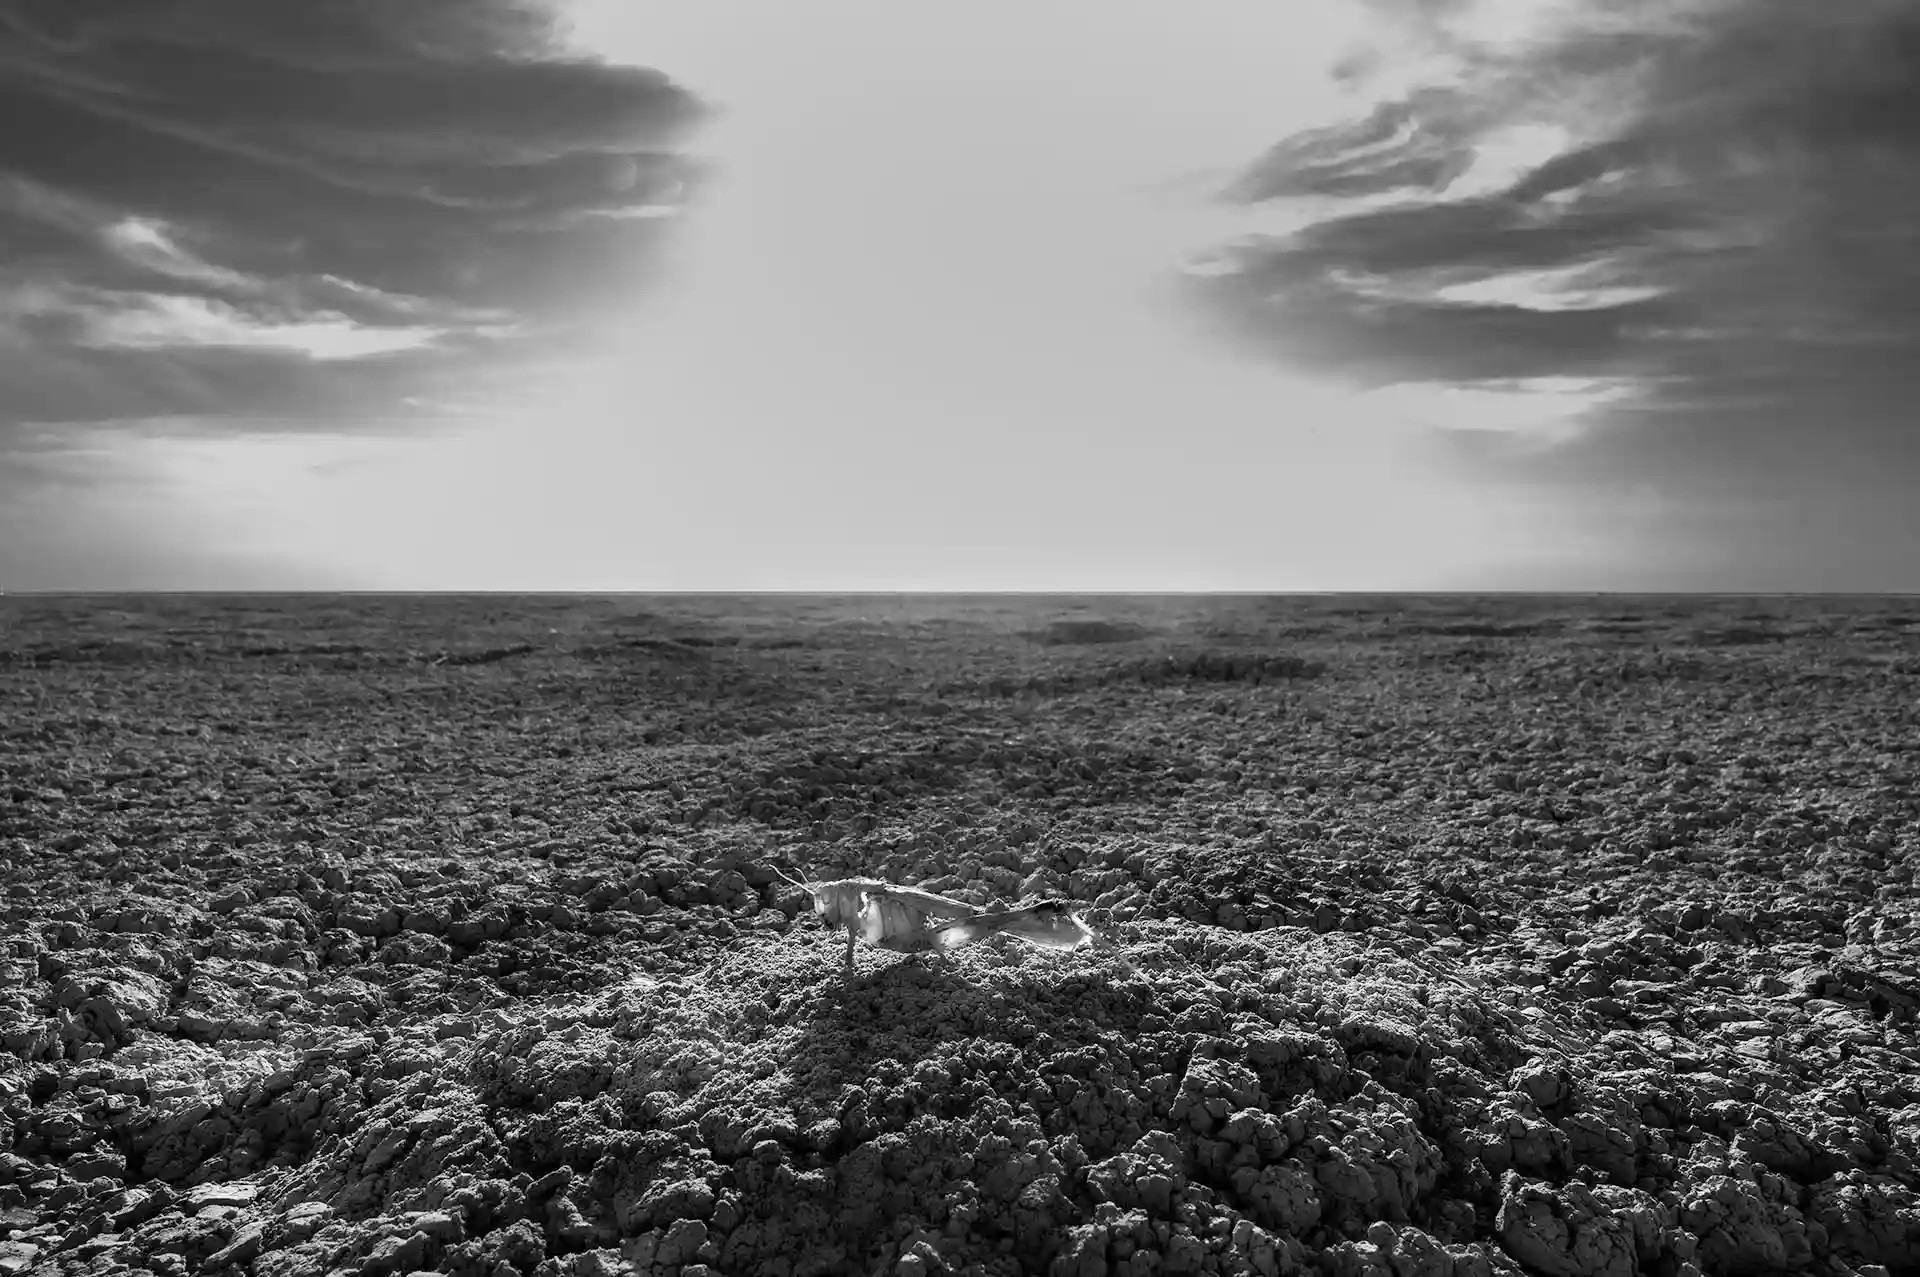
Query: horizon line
[[958, 593]]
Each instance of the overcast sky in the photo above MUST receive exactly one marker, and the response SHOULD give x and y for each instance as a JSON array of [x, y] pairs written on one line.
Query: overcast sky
[[858, 294]]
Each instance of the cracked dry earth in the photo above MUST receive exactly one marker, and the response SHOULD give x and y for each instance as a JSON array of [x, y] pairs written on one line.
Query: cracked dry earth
[[1461, 937]]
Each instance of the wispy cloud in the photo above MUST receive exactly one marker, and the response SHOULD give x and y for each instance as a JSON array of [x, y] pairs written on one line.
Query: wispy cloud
[[1709, 199], [326, 214], [1657, 248]]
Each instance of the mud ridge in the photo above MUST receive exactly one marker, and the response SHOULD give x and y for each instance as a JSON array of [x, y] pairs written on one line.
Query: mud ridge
[[1453, 937]]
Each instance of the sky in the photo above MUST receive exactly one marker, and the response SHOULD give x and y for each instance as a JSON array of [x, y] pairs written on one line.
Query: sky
[[888, 294]]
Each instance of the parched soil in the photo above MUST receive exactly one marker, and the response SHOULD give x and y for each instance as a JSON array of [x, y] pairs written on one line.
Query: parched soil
[[1454, 936]]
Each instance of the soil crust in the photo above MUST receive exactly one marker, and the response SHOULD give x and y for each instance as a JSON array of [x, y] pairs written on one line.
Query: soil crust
[[1453, 936]]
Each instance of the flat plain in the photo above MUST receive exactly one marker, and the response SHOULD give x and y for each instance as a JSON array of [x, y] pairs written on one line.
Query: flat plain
[[1454, 935]]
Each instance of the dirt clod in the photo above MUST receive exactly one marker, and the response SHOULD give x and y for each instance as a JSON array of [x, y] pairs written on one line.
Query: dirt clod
[[1441, 938]]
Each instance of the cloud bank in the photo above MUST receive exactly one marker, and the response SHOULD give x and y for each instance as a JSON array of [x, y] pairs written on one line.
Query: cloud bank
[[1691, 221], [339, 213]]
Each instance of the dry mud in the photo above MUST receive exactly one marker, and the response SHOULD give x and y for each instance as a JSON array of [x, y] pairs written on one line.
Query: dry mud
[[1465, 937]]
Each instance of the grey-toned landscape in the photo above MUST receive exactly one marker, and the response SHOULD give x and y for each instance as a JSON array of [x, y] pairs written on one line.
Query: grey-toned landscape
[[1450, 935]]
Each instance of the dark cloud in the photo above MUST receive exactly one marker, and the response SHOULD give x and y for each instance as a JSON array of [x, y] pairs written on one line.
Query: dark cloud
[[1725, 213], [55, 380], [319, 210]]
